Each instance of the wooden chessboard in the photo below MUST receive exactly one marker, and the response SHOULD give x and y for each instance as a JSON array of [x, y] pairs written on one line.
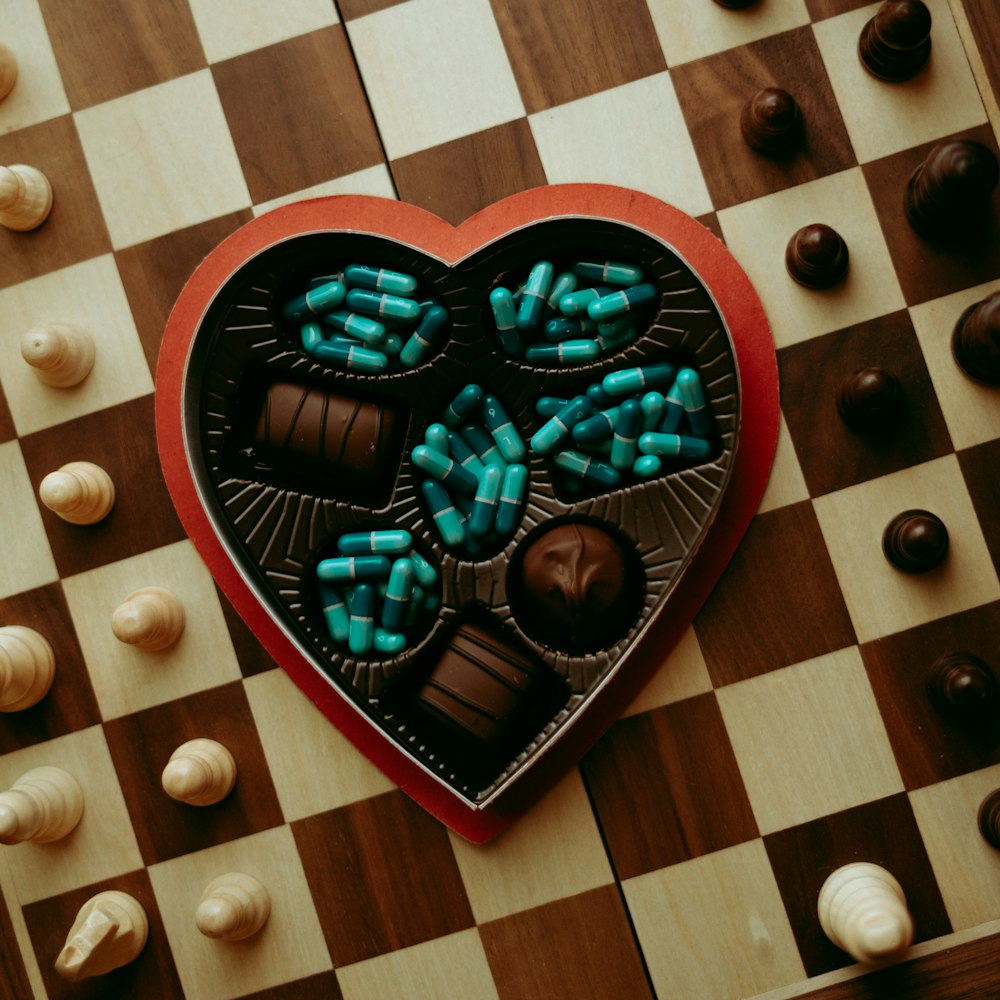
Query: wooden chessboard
[[789, 731]]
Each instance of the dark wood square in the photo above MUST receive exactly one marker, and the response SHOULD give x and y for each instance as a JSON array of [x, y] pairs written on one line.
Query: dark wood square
[[153, 974], [14, 984], [70, 704], [115, 47], [323, 986], [383, 877], [120, 439], [251, 655], [979, 467], [929, 269], [832, 455], [712, 92], [351, 9], [7, 431], [567, 49], [590, 950], [819, 10], [929, 745], [666, 787], [315, 126], [777, 603], [458, 178], [75, 229], [141, 745], [884, 833], [982, 19]]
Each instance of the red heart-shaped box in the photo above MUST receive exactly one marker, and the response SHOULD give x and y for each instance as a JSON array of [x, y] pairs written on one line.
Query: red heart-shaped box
[[191, 381]]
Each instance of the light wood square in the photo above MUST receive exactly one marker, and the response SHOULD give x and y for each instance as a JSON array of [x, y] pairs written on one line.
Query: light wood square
[[594, 140], [103, 844], [553, 851], [971, 410], [714, 927], [371, 181], [691, 29], [434, 70], [966, 867], [450, 966], [757, 232], [127, 679], [27, 559], [91, 295], [884, 118], [162, 159], [786, 484], [880, 598], [682, 675], [338, 773], [289, 946], [809, 740]]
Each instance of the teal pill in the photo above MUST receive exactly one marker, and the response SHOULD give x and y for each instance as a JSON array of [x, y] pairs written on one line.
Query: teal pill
[[380, 304], [390, 643], [577, 303], [512, 490], [482, 443], [485, 506], [653, 404], [673, 411], [693, 399], [562, 284], [647, 466], [397, 594], [585, 467], [335, 612], [392, 345], [611, 342], [369, 330], [436, 437], [390, 541], [378, 279], [464, 455], [623, 444], [626, 380], [610, 306], [361, 628], [422, 340], [345, 569], [536, 288], [462, 405], [361, 359], [499, 424], [443, 469], [549, 406], [611, 271], [315, 301], [312, 336], [425, 573], [446, 517], [674, 445], [569, 352], [599, 427], [505, 317], [599, 397], [556, 429], [567, 327]]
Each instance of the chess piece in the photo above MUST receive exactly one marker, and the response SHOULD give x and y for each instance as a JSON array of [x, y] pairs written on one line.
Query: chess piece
[[8, 70], [152, 619], [949, 193], [989, 819], [234, 906], [771, 122], [975, 342], [200, 772], [79, 492], [862, 910], [735, 4], [109, 931], [816, 256], [25, 197], [915, 541], [27, 667], [61, 354], [896, 42], [870, 400], [961, 683], [45, 804]]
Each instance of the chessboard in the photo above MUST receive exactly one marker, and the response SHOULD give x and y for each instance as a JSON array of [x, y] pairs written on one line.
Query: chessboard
[[788, 733]]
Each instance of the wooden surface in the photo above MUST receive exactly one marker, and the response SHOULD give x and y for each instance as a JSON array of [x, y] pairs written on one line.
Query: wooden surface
[[788, 733]]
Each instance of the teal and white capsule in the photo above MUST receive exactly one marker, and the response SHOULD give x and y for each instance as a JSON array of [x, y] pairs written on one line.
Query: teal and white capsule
[[361, 627], [436, 437], [379, 279], [562, 284], [674, 445], [556, 429], [335, 612], [392, 345], [312, 336], [536, 289], [390, 643], [385, 542], [482, 443], [629, 380], [647, 466], [568, 328], [467, 401], [512, 490], [348, 569], [425, 573], [397, 594], [421, 342], [577, 303], [444, 469], [459, 450], [693, 399], [448, 521], [611, 271], [673, 411], [600, 398], [652, 404], [371, 331], [611, 342], [487, 496], [549, 406], [505, 317], [627, 428], [381, 304], [599, 427], [499, 424], [628, 299], [568, 352], [315, 301], [359, 359], [586, 467]]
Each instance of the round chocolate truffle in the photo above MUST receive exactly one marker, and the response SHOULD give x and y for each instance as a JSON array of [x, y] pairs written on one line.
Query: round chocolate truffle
[[770, 121], [915, 541], [976, 341], [870, 400], [896, 42], [816, 256], [580, 588], [961, 683]]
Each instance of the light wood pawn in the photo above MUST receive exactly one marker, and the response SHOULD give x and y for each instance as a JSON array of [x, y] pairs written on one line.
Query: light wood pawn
[[25, 197], [78, 492], [27, 667], [233, 906], [8, 70], [151, 618], [200, 772], [862, 910], [109, 931], [44, 805], [61, 354]]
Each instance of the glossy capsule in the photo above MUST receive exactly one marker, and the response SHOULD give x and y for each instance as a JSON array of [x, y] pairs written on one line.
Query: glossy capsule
[[577, 303], [505, 317], [627, 428], [436, 437], [549, 406], [371, 331], [462, 405], [599, 427], [397, 594], [421, 342], [347, 569], [628, 299], [627, 380], [673, 411], [379, 279], [536, 288], [568, 352], [586, 467], [390, 643], [464, 455], [693, 399], [652, 404], [485, 505], [392, 345], [612, 341], [557, 428], [499, 424], [600, 398], [312, 336], [512, 490], [567, 328], [425, 573], [445, 515], [361, 626], [360, 359], [335, 612], [647, 466], [562, 284], [674, 445], [387, 542], [315, 301], [444, 469], [610, 271], [381, 304], [482, 443]]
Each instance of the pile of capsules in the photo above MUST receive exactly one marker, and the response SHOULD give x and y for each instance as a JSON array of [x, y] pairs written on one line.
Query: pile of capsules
[[574, 316], [376, 590], [368, 320]]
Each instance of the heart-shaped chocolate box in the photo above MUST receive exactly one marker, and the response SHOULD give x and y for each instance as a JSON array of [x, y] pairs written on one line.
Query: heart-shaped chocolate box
[[263, 525]]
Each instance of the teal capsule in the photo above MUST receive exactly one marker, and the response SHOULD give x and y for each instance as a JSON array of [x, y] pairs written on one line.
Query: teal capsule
[[421, 342], [483, 445], [599, 397], [567, 327], [611, 271], [576, 303], [464, 455], [673, 411], [505, 315], [345, 569], [312, 336], [623, 444], [462, 405], [585, 467], [392, 345], [611, 342], [652, 404], [354, 325], [647, 466], [361, 627], [380, 304], [387, 542], [693, 399], [562, 284], [378, 279], [626, 380], [556, 429], [569, 352], [599, 427], [444, 469], [361, 359], [674, 445], [536, 288], [315, 301], [446, 517], [499, 424], [436, 437], [512, 490], [425, 573], [397, 594], [549, 406], [335, 612], [485, 507], [390, 643], [628, 299]]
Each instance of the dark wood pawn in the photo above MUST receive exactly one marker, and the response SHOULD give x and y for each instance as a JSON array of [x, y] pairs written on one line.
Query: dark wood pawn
[[816, 256], [915, 541], [870, 400], [975, 341], [771, 121], [961, 683], [735, 4], [989, 819], [896, 42]]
